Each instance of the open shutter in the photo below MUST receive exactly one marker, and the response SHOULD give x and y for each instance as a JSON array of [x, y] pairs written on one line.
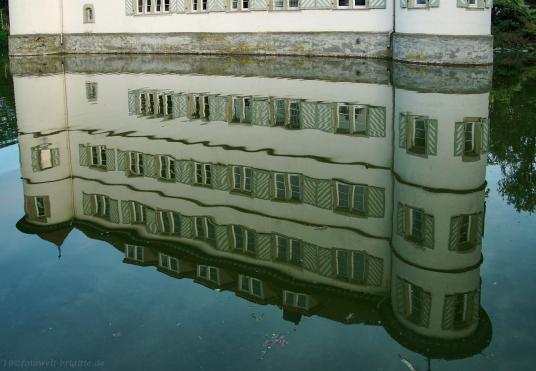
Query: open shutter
[[309, 257], [259, 5], [376, 202], [29, 207], [374, 271], [307, 4], [376, 121], [150, 220], [55, 153], [264, 246], [222, 240], [476, 234], [458, 138], [402, 130], [182, 106], [426, 309], [122, 160], [186, 227], [461, 3], [83, 155], [181, 6], [481, 4], [129, 7], [261, 184], [325, 261], [36, 166], [448, 312], [132, 99], [403, 3], [325, 117], [401, 297], [309, 115], [377, 4], [484, 129], [323, 4], [309, 190], [149, 165], [110, 159], [400, 213], [114, 211], [324, 194], [87, 204], [221, 177], [433, 3], [428, 231], [261, 110], [186, 171], [216, 5], [125, 212], [218, 107], [431, 140], [454, 235], [489, 4]]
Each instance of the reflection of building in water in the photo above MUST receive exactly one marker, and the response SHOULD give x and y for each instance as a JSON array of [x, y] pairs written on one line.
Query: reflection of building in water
[[348, 201]]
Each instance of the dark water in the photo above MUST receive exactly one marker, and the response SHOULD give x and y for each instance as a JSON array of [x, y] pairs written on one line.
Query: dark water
[[280, 214]]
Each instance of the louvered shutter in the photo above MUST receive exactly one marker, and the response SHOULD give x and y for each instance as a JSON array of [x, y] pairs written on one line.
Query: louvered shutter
[[376, 121], [400, 215], [377, 4], [149, 165], [259, 5], [87, 204], [307, 4], [55, 154], [182, 6], [36, 166], [216, 5], [402, 130], [489, 4], [114, 211], [484, 128], [83, 155], [461, 3], [185, 175], [403, 3], [428, 231], [125, 212], [376, 202], [110, 159], [309, 190], [324, 194], [431, 139], [129, 7], [374, 271], [262, 184], [132, 101], [459, 138], [122, 160], [433, 3], [454, 235]]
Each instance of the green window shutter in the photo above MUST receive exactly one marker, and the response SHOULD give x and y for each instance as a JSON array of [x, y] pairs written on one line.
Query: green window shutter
[[401, 297], [187, 227], [309, 190], [55, 152], [376, 202], [374, 271], [220, 108], [36, 166], [262, 112], [83, 155], [459, 138], [222, 240], [259, 5], [461, 3], [376, 121], [402, 130], [132, 100], [307, 4], [181, 6], [262, 184], [433, 3], [324, 194], [400, 216], [122, 160], [403, 3], [114, 211], [484, 128], [323, 4], [310, 257], [182, 105], [185, 174], [377, 4], [110, 159], [479, 228], [125, 212], [489, 4], [325, 261], [264, 246], [428, 231], [454, 235], [309, 115], [129, 7], [449, 305], [426, 309], [149, 165], [216, 5], [221, 177], [431, 140], [150, 221], [86, 204], [325, 117]]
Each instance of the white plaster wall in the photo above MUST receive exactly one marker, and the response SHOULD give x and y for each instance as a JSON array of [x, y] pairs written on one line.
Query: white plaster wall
[[32, 16], [443, 170], [447, 19]]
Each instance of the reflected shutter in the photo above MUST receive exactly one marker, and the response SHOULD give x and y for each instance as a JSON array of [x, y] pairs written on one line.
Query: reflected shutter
[[132, 99], [261, 184], [309, 115], [431, 139], [376, 121], [222, 242], [426, 308], [325, 117], [83, 155], [261, 109], [110, 159], [461, 3], [182, 105], [377, 4], [324, 194], [458, 138], [114, 211], [86, 204], [307, 4], [376, 202], [29, 207], [259, 5], [454, 235], [129, 7], [433, 3], [400, 213], [186, 227], [186, 171], [403, 3], [448, 312], [484, 127], [309, 257], [489, 4], [374, 271], [181, 6], [402, 130], [264, 246], [122, 160], [36, 166], [55, 153], [149, 165], [325, 261], [221, 177], [309, 190], [401, 304], [125, 212], [428, 231], [323, 4], [477, 233], [150, 220], [216, 5]]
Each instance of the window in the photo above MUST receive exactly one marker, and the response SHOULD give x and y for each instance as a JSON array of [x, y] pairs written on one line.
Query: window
[[251, 286], [91, 91], [169, 222], [360, 3], [418, 135], [166, 167], [98, 156], [469, 137], [467, 238], [351, 198], [134, 252], [208, 273], [199, 107], [415, 224], [40, 208], [204, 229], [45, 159], [101, 206], [168, 262], [89, 14], [37, 207], [343, 3], [414, 300], [351, 119], [286, 4], [152, 6], [288, 250], [286, 113], [245, 4], [472, 3], [234, 5], [242, 179], [241, 110], [137, 213], [199, 5], [351, 265], [135, 163], [422, 3], [287, 187], [296, 300], [203, 174], [243, 239], [151, 109]]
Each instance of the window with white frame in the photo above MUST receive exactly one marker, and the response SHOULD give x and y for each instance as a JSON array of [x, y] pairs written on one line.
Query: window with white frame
[[91, 91], [351, 265], [101, 206], [286, 4], [135, 163], [204, 229], [203, 174], [142, 104], [98, 156], [417, 136], [473, 3], [168, 262], [208, 273], [286, 113], [151, 108], [288, 250], [199, 5], [468, 232], [251, 286], [166, 167], [414, 298], [134, 252], [40, 207], [296, 300], [351, 197], [287, 187], [242, 178], [351, 119], [464, 308], [137, 213], [152, 6], [414, 228], [243, 239], [169, 222], [360, 3], [343, 3], [421, 3], [241, 110]]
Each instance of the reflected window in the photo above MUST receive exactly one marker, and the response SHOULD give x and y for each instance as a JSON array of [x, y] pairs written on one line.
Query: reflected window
[[286, 113], [89, 16], [296, 300], [243, 239], [413, 303], [199, 5], [205, 229], [418, 136], [137, 213], [415, 224], [469, 232], [45, 159], [209, 273], [98, 156], [91, 91], [343, 3], [40, 209], [166, 167], [101, 206], [169, 222], [134, 252], [242, 178], [287, 187], [360, 3], [351, 265], [241, 110], [351, 197], [251, 286], [203, 174], [422, 3], [135, 163], [351, 119], [168, 262], [288, 250], [37, 207]]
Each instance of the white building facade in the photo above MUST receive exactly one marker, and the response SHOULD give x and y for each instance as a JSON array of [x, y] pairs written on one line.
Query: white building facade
[[422, 31]]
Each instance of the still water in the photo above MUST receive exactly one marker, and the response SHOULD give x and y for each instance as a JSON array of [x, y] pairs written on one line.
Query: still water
[[203, 213]]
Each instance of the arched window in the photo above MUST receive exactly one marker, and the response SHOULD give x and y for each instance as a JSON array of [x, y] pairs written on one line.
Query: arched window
[[89, 14]]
